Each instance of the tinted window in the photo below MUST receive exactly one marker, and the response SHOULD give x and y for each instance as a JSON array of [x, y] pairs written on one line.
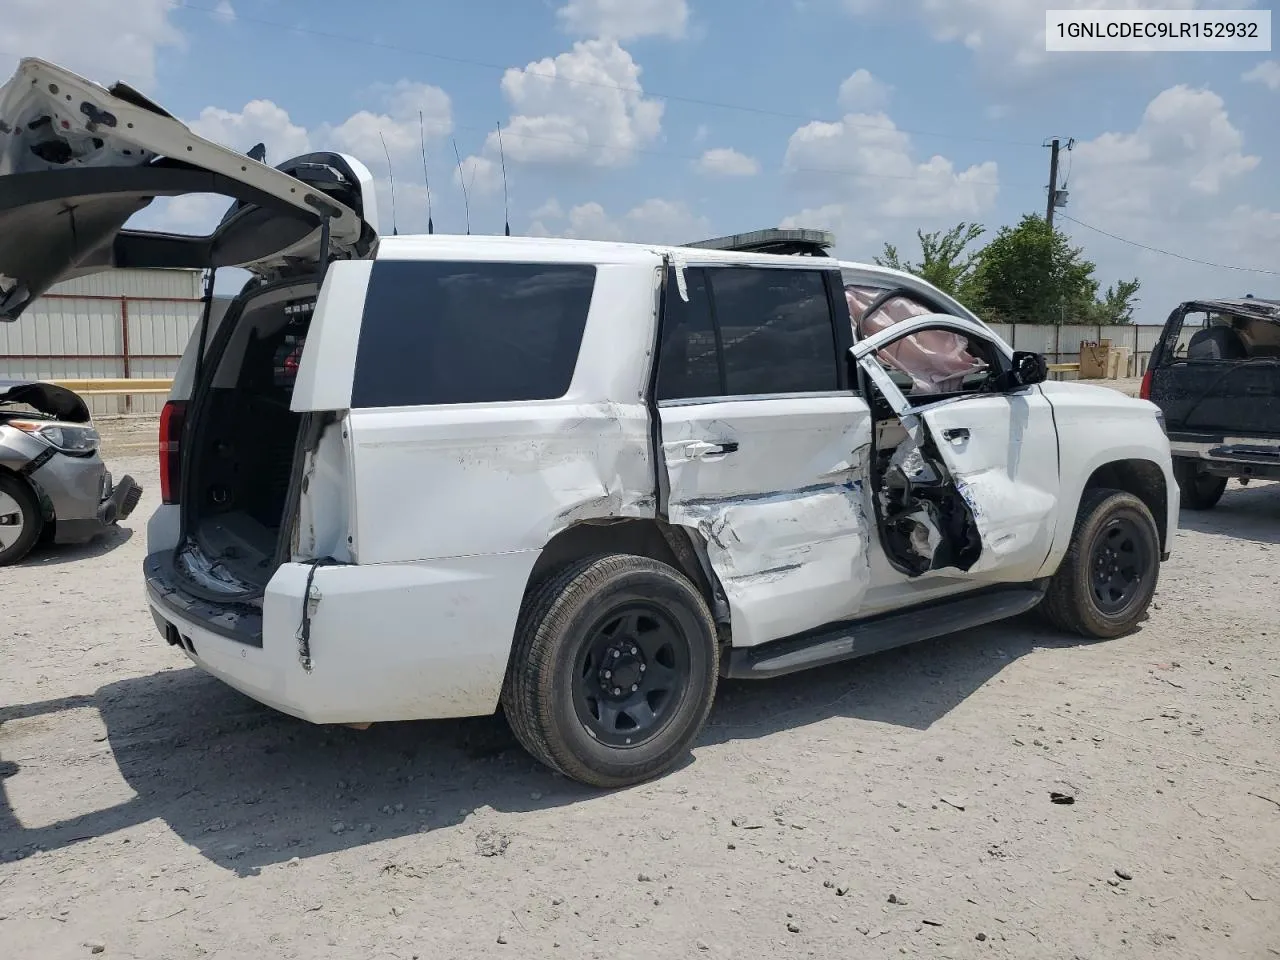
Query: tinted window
[[775, 330], [688, 365], [470, 332]]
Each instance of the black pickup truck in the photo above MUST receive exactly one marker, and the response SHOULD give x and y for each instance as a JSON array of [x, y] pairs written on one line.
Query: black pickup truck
[[1215, 375]]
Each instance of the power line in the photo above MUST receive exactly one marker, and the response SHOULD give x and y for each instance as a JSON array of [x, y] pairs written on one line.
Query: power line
[[557, 78], [1170, 253]]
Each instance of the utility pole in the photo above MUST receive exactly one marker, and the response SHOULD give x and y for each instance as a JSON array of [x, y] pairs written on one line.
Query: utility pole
[[1053, 181], [1057, 198]]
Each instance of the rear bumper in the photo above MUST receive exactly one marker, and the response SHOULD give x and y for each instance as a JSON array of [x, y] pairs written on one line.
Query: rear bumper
[[1230, 456], [388, 642]]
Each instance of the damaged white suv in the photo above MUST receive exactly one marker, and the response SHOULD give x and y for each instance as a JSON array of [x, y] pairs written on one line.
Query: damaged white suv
[[417, 477]]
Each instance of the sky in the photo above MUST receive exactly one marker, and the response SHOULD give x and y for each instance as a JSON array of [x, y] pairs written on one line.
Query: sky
[[669, 121]]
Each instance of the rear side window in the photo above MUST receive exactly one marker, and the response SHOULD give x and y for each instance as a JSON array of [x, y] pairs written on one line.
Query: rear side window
[[775, 331], [467, 332], [747, 331]]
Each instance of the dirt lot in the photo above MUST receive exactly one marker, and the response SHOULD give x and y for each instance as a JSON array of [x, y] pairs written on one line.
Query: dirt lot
[[898, 806]]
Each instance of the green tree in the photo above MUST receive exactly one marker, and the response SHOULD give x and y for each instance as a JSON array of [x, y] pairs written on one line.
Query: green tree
[[1118, 303], [1031, 274], [943, 260]]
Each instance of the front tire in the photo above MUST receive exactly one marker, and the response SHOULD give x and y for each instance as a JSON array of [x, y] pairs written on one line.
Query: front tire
[[1197, 489], [1107, 579], [21, 521], [613, 670]]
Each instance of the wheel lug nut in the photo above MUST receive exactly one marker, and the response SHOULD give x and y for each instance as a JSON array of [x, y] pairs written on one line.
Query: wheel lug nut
[[634, 651], [643, 668], [617, 654], [616, 691], [635, 687], [608, 674]]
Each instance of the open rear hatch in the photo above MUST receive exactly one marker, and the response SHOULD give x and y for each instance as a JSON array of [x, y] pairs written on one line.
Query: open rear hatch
[[78, 160]]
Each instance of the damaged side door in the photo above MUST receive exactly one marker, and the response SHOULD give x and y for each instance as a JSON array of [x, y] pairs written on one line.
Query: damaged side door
[[975, 484], [763, 442]]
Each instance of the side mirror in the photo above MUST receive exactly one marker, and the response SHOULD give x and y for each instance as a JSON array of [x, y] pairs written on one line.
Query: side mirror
[[1028, 368]]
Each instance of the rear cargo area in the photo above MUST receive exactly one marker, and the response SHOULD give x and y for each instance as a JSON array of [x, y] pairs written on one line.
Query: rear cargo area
[[242, 440], [1219, 372]]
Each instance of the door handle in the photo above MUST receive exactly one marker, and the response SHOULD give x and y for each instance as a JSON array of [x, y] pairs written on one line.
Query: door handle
[[702, 449], [956, 434]]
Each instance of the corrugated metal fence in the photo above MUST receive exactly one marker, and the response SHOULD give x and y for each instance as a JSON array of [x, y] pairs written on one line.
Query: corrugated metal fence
[[120, 323], [1061, 344]]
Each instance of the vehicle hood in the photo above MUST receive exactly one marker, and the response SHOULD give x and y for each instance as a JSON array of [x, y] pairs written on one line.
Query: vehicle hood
[[78, 160], [47, 398], [1092, 391]]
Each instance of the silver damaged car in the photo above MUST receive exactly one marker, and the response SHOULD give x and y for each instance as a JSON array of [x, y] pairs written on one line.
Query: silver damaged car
[[53, 484]]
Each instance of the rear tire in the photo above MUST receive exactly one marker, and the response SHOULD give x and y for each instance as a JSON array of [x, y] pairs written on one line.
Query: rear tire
[[613, 670], [1197, 490], [1106, 581], [21, 521]]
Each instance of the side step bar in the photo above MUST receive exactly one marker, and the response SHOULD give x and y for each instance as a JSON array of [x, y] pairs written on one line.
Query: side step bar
[[860, 638]]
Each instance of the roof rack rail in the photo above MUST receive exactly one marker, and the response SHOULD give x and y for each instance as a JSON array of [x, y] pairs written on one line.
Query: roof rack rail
[[803, 243]]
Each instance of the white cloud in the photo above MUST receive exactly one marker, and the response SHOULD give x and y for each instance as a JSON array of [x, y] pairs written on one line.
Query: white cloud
[[106, 40], [1011, 32], [867, 161], [551, 210], [1179, 181], [583, 107], [1266, 73], [1184, 148], [362, 133], [727, 162], [224, 12], [861, 91], [625, 19], [260, 121], [481, 175], [653, 221]]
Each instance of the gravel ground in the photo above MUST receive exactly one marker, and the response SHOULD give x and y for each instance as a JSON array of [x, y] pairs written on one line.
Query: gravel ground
[[897, 806]]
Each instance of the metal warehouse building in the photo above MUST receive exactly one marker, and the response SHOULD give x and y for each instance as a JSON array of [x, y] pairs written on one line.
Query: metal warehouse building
[[119, 323]]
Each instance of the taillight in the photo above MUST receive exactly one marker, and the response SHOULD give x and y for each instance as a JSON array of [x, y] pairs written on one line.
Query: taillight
[[172, 417], [1144, 392]]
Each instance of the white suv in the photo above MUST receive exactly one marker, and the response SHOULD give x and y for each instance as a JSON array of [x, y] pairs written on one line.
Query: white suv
[[422, 477]]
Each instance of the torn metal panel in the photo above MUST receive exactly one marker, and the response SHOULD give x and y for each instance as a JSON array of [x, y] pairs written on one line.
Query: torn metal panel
[[1001, 451], [772, 487], [324, 509], [787, 561]]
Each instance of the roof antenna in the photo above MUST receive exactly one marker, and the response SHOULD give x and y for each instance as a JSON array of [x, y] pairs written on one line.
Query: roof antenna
[[422, 139], [258, 152], [462, 181], [506, 206], [391, 175]]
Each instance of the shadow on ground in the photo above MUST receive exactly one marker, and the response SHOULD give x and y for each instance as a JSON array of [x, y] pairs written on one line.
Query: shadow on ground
[[1244, 513], [53, 554], [249, 787]]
